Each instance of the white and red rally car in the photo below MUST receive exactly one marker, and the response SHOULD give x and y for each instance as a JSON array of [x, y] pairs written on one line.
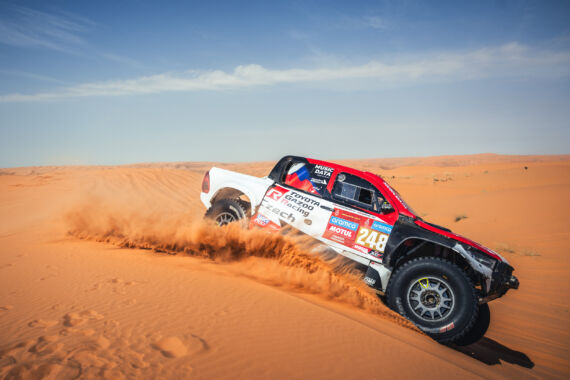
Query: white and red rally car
[[439, 280]]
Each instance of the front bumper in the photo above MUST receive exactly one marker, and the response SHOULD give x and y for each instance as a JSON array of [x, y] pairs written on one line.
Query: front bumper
[[513, 283], [502, 280]]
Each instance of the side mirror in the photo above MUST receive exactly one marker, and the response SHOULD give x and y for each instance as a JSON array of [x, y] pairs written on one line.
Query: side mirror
[[386, 208]]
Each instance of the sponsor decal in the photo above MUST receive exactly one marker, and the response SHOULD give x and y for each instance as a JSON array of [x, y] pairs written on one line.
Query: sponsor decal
[[371, 239], [340, 228], [376, 254], [278, 197], [261, 220], [282, 214], [359, 232], [276, 193], [369, 281], [319, 181], [322, 171], [367, 235], [339, 231], [337, 238], [286, 204], [339, 234], [343, 223], [348, 215], [360, 248], [447, 327], [381, 227], [300, 203], [300, 199]]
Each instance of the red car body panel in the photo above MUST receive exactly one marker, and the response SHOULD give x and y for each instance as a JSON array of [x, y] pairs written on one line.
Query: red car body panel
[[399, 205]]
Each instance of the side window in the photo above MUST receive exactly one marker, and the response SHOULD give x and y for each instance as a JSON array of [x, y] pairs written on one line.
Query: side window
[[307, 177], [354, 191]]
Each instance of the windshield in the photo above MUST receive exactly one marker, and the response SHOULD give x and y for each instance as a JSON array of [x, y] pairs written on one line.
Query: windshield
[[397, 195]]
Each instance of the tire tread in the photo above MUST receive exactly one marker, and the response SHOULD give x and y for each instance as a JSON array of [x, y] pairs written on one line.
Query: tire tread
[[474, 316], [243, 205]]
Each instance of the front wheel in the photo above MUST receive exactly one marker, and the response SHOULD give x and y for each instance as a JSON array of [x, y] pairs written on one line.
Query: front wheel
[[226, 211], [436, 295], [479, 328]]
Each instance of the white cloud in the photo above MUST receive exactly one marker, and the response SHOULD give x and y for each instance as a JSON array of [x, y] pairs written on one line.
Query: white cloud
[[28, 28], [24, 27], [511, 60], [32, 76]]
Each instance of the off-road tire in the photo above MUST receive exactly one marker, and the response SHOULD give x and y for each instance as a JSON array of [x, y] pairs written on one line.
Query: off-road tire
[[479, 328], [454, 322], [225, 211]]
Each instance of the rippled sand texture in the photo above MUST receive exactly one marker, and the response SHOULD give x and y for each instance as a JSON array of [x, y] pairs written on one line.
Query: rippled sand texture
[[110, 272]]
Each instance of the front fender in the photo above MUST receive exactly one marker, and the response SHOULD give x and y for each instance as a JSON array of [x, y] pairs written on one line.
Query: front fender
[[405, 230]]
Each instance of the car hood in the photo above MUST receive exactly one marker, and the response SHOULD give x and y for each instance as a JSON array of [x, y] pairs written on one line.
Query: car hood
[[462, 239]]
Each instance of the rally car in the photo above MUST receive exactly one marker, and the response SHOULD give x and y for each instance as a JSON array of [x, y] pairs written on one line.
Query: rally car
[[437, 279]]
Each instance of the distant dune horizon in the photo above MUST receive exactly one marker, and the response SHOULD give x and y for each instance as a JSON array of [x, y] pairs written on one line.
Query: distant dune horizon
[[383, 162]]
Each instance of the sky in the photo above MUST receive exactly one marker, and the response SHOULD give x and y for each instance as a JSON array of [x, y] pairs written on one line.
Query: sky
[[118, 82]]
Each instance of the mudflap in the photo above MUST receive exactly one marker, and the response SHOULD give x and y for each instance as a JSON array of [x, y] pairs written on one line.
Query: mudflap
[[372, 278], [377, 276]]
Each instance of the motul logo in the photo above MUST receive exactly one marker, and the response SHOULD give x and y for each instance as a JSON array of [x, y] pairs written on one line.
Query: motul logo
[[341, 231]]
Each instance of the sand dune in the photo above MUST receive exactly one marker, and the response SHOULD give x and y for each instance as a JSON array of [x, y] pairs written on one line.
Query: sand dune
[[232, 303]]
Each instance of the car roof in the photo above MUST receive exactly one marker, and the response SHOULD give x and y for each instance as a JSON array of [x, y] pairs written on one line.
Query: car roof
[[346, 169], [387, 190]]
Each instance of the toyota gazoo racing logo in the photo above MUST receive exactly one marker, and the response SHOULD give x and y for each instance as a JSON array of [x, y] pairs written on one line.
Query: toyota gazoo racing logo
[[275, 193], [300, 203]]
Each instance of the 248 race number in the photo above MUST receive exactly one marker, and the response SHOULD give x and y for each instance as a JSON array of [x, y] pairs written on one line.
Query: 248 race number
[[371, 239]]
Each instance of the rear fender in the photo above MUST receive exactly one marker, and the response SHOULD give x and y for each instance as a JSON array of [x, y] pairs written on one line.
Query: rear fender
[[225, 183], [235, 191]]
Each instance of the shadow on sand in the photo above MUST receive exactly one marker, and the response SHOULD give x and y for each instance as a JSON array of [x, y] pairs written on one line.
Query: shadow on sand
[[491, 352]]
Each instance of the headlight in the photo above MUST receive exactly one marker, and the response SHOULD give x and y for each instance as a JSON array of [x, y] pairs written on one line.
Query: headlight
[[482, 258]]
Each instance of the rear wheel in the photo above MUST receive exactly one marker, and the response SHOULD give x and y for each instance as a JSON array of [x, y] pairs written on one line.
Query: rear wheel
[[436, 295], [226, 211]]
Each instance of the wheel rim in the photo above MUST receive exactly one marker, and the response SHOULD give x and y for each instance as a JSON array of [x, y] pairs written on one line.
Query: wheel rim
[[225, 218], [430, 298]]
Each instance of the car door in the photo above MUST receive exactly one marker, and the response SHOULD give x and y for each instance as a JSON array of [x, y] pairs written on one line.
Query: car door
[[356, 223], [299, 199]]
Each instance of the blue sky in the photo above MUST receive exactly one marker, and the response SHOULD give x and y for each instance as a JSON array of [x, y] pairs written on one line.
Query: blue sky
[[113, 82]]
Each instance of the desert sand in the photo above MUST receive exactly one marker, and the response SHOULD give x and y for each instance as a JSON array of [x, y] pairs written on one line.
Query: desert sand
[[110, 272]]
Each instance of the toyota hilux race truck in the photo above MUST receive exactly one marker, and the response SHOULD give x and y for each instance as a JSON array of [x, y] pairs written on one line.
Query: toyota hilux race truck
[[437, 279]]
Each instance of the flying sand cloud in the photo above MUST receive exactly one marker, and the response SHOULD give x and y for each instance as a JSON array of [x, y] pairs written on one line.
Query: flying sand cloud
[[511, 60]]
